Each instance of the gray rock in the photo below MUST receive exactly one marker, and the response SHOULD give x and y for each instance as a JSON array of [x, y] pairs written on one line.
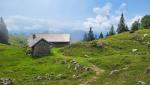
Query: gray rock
[[39, 78], [134, 50], [140, 83], [6, 81], [125, 68], [87, 69], [114, 72]]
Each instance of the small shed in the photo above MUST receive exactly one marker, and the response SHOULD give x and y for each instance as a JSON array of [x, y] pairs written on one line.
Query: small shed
[[40, 47]]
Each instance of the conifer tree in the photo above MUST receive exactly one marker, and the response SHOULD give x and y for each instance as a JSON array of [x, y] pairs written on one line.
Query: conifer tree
[[3, 32], [122, 27], [135, 26], [101, 35], [91, 35], [107, 34], [112, 31]]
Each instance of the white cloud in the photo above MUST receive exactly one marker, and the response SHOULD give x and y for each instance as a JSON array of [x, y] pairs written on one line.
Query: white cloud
[[131, 21], [105, 10], [101, 22], [104, 19], [121, 8], [28, 24]]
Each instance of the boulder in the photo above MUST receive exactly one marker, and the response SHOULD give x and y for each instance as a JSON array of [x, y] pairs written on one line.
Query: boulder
[[145, 35], [74, 76], [39, 78], [6, 81], [125, 68], [86, 56], [87, 69], [140, 83], [134, 50], [114, 72]]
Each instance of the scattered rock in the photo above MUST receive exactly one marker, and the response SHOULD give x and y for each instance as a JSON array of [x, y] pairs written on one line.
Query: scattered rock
[[75, 76], [87, 69], [39, 78], [86, 56], [73, 62], [140, 83], [60, 76], [6, 81], [134, 50], [145, 35], [125, 68], [77, 66], [114, 72]]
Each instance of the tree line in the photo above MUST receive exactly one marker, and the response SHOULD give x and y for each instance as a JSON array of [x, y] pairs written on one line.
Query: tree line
[[144, 23]]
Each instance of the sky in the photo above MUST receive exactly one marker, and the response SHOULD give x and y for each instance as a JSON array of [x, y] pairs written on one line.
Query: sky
[[70, 16]]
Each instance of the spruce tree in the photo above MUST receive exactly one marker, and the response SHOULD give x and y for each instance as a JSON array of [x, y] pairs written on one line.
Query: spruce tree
[[107, 34], [91, 35], [135, 26], [101, 35], [112, 31], [3, 32], [122, 27]]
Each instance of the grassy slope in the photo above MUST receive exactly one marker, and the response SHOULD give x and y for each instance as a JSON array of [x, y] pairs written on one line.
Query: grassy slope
[[16, 65], [19, 40], [117, 50]]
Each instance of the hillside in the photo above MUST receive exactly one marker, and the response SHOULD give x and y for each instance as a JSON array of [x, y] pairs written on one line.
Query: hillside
[[114, 53], [102, 56], [26, 70], [18, 40]]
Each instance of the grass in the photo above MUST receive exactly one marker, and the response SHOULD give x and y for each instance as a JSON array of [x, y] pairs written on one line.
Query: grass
[[16, 65], [117, 51], [116, 54]]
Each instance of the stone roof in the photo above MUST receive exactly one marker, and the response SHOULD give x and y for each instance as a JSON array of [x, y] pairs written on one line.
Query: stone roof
[[49, 38]]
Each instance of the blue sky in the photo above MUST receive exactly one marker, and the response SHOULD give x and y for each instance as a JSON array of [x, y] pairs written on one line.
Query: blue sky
[[69, 15]]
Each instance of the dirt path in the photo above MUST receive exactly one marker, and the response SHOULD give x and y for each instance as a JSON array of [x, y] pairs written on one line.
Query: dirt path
[[94, 78]]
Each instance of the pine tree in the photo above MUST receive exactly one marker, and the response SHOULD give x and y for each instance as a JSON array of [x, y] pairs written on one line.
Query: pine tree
[[91, 35], [122, 27], [112, 31], [101, 35], [135, 26], [107, 34], [3, 32]]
